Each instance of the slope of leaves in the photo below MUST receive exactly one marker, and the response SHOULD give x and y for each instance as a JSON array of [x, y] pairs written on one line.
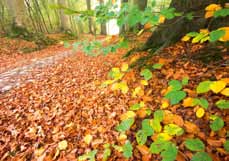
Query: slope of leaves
[[67, 114]]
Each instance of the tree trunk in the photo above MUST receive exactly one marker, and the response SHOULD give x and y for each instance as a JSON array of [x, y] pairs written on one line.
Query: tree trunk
[[18, 11], [142, 4], [172, 30], [64, 21], [89, 19], [103, 25]]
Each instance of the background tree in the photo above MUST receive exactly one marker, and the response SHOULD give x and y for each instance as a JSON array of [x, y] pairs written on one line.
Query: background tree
[[103, 25], [64, 19]]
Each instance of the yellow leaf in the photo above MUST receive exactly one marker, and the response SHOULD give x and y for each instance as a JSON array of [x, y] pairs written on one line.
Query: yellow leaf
[[209, 14], [185, 38], [200, 112], [123, 87], [226, 36], [162, 19], [210, 9], [107, 82], [122, 137], [115, 86], [142, 104], [217, 86], [164, 136], [39, 152], [226, 80], [116, 70], [88, 138], [225, 92], [205, 31], [63, 145], [124, 67], [165, 104], [134, 59], [138, 91], [127, 115], [188, 102], [213, 7], [144, 82]]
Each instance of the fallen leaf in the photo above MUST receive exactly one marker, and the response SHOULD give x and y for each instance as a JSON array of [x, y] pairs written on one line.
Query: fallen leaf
[[200, 113], [63, 145], [217, 86], [88, 138], [127, 115], [225, 92]]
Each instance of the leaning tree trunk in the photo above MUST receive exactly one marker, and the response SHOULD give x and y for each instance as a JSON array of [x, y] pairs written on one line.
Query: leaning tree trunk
[[172, 30]]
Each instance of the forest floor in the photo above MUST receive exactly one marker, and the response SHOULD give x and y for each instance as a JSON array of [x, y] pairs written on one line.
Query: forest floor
[[64, 102]]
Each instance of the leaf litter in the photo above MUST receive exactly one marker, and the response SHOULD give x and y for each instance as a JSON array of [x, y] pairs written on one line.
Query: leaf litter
[[67, 114]]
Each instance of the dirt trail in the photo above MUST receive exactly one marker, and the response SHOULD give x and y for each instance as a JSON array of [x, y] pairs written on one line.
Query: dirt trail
[[13, 78]]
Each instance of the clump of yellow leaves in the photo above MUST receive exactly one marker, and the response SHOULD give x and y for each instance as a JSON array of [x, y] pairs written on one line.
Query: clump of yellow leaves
[[116, 74], [138, 91], [211, 9]]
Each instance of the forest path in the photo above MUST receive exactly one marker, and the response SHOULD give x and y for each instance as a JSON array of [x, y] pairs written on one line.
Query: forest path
[[61, 98], [15, 77]]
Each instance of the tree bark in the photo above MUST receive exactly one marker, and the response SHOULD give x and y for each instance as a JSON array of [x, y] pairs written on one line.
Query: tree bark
[[142, 4], [172, 30], [18, 12], [103, 25], [89, 19], [64, 21]]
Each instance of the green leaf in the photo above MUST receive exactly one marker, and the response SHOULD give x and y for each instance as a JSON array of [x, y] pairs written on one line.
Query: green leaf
[[153, 4], [88, 156], [169, 13], [141, 137], [203, 87], [127, 150], [222, 104], [67, 44], [146, 73], [75, 45], [158, 146], [147, 128], [175, 96], [173, 129], [192, 34], [216, 35], [221, 13], [159, 115], [203, 103], [194, 144], [201, 156], [125, 125], [185, 81], [157, 66], [175, 84], [135, 107], [170, 153], [226, 145], [156, 125], [217, 124], [107, 152]]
